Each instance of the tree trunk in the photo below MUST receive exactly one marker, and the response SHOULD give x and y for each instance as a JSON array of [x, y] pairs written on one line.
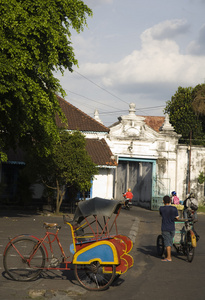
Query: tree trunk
[[59, 197]]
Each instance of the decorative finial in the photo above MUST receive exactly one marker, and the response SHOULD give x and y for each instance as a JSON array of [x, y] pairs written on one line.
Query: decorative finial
[[97, 117], [132, 109]]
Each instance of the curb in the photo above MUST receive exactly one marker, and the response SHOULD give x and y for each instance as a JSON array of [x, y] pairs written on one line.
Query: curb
[[134, 230]]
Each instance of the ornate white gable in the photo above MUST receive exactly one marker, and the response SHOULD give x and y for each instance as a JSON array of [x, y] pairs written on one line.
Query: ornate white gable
[[132, 126]]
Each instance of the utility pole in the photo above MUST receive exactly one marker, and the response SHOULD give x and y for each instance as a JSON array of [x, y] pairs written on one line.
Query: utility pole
[[189, 175]]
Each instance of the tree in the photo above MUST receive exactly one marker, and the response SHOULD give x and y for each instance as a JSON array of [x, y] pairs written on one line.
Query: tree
[[69, 165], [35, 43], [199, 99], [185, 116]]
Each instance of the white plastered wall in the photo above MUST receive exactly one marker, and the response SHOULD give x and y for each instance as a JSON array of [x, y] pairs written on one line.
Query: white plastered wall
[[103, 183]]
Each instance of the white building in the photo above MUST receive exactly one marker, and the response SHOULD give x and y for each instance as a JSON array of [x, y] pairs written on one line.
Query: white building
[[152, 162], [141, 153]]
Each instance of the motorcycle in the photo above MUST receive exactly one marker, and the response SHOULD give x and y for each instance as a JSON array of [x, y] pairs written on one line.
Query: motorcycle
[[191, 214], [127, 203], [190, 207]]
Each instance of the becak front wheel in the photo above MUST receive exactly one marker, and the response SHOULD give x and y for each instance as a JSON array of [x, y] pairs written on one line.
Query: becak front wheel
[[95, 277]]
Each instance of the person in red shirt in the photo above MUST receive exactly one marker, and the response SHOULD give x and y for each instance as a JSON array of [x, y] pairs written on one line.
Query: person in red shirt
[[128, 195], [128, 198]]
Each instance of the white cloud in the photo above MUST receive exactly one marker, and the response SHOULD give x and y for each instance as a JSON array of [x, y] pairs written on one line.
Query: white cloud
[[168, 29], [138, 64], [197, 47], [158, 62]]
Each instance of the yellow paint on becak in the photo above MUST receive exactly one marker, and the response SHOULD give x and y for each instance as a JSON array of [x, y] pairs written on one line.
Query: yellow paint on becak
[[93, 245], [73, 235]]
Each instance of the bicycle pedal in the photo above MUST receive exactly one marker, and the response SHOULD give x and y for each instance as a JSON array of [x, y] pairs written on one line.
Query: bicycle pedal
[[54, 262]]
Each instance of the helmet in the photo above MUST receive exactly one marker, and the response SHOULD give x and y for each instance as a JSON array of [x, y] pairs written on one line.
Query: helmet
[[129, 190], [174, 193]]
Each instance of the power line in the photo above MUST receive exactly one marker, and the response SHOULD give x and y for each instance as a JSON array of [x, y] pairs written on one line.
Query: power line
[[144, 108], [89, 98], [112, 112], [100, 87]]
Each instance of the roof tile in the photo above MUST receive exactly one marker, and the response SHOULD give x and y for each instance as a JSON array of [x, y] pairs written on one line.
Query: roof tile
[[100, 152], [154, 122], [78, 120]]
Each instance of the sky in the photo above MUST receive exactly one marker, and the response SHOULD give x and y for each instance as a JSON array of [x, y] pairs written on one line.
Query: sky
[[136, 51]]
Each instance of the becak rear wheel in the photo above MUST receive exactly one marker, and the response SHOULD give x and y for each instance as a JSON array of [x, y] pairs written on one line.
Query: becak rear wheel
[[160, 245]]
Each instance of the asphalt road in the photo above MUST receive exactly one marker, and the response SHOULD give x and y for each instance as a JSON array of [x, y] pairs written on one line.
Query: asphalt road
[[148, 279]]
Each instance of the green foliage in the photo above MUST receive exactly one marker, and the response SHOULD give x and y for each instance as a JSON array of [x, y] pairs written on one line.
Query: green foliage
[[35, 42], [185, 116], [198, 103], [69, 165], [3, 156], [73, 163], [201, 178], [201, 209]]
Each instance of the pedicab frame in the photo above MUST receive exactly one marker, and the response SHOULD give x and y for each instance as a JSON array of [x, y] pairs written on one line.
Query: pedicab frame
[[98, 253]]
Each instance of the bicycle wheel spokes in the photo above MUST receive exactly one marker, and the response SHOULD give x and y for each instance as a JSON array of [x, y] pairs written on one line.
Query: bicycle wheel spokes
[[23, 260], [94, 277]]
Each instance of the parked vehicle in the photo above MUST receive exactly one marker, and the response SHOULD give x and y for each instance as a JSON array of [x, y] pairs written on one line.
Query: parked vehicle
[[99, 252], [185, 239]]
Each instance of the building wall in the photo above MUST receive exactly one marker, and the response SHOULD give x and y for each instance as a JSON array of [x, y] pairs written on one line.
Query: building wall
[[166, 172], [196, 166], [103, 183]]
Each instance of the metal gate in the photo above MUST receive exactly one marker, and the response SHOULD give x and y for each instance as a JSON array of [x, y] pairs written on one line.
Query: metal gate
[[161, 187], [137, 175]]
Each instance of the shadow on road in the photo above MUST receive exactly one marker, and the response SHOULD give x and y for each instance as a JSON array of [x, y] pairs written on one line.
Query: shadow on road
[[148, 250], [152, 251]]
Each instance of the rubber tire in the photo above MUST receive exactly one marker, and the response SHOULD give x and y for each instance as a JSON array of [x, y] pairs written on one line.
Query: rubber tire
[[189, 248], [160, 245], [94, 281], [16, 267]]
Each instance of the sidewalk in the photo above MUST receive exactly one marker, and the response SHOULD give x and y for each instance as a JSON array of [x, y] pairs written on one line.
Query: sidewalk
[[51, 285]]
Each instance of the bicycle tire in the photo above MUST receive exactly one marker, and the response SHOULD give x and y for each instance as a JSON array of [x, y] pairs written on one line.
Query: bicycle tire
[[189, 248], [160, 245], [93, 277], [17, 267]]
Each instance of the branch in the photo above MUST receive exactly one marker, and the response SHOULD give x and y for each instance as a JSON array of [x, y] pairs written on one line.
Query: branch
[[50, 187]]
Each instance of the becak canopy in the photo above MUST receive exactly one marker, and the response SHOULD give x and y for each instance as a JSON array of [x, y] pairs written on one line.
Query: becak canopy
[[96, 207]]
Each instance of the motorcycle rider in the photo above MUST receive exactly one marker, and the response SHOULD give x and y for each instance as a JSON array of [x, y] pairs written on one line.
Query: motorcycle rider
[[190, 203], [128, 197]]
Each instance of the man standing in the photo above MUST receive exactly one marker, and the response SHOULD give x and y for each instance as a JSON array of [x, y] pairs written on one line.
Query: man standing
[[169, 214]]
